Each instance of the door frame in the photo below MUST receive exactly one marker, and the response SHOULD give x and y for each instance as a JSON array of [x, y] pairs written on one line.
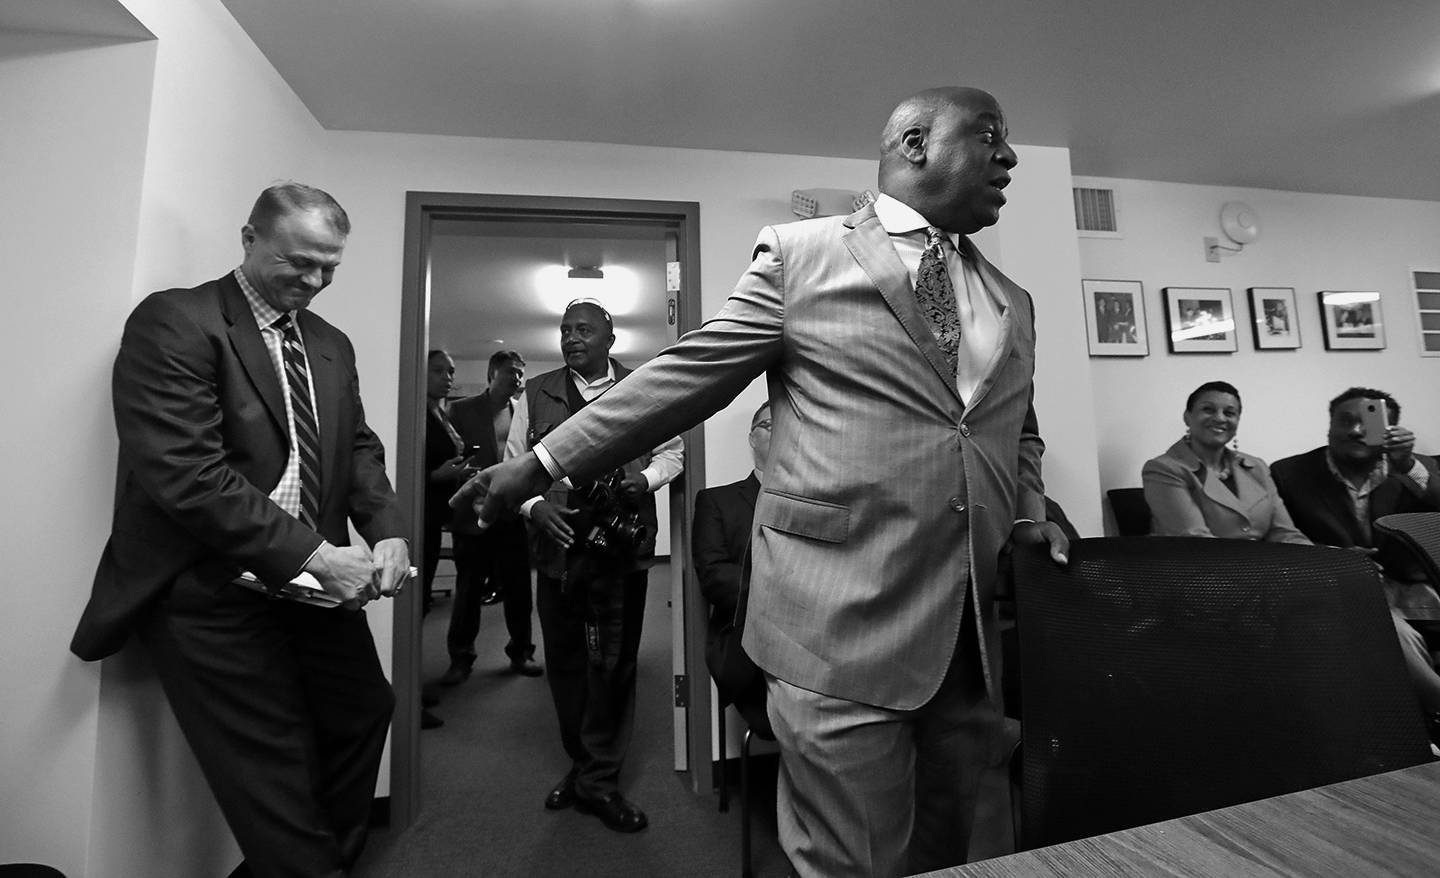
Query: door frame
[[422, 210]]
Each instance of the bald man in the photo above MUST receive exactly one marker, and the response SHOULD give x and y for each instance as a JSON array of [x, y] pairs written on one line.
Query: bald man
[[905, 453]]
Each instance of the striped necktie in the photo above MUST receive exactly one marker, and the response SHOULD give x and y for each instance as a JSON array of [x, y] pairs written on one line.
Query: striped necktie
[[936, 296], [307, 435]]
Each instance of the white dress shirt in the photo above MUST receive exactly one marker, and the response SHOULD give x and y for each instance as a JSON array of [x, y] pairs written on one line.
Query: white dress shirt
[[978, 309]]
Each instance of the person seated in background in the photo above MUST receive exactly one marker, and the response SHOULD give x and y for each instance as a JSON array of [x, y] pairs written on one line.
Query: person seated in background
[[1200, 487], [719, 543], [1339, 489]]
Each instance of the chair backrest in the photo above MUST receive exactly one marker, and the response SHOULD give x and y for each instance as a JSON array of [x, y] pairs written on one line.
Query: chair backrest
[[1132, 513], [1165, 676], [1419, 532]]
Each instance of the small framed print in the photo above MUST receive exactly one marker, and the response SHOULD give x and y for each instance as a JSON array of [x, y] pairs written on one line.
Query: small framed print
[[1352, 320], [1274, 318], [1200, 320], [1115, 318]]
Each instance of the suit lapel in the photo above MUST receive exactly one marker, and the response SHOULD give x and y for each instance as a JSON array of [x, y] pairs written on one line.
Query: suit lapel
[[321, 353], [869, 244], [250, 350]]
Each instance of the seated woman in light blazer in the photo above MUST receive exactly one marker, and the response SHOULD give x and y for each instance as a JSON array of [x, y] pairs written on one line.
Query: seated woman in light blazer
[[1202, 488]]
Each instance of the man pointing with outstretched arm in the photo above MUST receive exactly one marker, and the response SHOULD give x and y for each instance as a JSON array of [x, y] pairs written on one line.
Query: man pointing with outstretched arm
[[905, 454]]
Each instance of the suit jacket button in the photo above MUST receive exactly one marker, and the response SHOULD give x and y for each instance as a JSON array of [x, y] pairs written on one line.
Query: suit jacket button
[[965, 430], [957, 504]]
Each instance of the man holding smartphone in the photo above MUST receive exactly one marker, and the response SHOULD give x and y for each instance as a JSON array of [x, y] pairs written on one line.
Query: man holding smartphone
[[1368, 469]]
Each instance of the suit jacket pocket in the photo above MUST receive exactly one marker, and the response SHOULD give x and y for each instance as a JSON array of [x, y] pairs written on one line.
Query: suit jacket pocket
[[788, 513]]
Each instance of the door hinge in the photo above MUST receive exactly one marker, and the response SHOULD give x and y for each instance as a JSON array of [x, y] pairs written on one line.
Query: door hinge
[[682, 690]]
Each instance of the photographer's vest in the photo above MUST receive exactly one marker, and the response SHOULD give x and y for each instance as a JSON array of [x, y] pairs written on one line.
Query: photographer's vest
[[553, 397]]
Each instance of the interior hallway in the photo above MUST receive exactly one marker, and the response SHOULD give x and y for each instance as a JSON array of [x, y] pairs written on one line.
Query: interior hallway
[[487, 770]]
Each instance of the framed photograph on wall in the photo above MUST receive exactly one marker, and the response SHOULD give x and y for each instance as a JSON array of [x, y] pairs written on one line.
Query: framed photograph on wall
[[1274, 318], [1200, 320], [1352, 320], [1115, 318]]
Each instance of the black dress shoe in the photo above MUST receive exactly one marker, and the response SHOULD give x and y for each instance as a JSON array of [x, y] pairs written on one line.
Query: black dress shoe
[[615, 811], [525, 667], [429, 720], [563, 795], [491, 598], [456, 674]]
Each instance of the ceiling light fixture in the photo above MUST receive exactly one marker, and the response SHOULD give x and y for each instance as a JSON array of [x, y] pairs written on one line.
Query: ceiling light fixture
[[586, 272]]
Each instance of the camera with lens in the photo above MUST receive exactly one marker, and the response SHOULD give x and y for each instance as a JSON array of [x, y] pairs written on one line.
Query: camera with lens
[[614, 527]]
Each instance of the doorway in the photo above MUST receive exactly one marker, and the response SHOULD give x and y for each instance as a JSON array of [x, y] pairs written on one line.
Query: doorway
[[525, 257]]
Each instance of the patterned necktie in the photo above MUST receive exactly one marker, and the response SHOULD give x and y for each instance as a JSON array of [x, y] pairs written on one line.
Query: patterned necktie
[[936, 296], [307, 434]]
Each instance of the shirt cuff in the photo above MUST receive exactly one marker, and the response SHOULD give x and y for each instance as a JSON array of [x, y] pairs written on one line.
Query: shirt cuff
[[1419, 474], [546, 460], [652, 479]]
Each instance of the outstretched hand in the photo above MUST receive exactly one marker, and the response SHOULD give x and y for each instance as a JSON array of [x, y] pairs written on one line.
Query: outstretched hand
[[502, 487], [1037, 533]]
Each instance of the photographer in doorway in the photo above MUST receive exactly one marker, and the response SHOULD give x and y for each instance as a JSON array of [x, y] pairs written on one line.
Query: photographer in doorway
[[591, 546]]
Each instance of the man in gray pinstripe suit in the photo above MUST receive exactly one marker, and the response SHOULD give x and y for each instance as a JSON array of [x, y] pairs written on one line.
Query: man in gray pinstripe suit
[[899, 468]]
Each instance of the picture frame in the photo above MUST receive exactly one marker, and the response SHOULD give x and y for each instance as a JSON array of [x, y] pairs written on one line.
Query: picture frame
[[1115, 318], [1352, 320], [1200, 320], [1274, 318]]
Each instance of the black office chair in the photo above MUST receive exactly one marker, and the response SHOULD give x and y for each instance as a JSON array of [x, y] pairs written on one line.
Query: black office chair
[[1419, 533], [1165, 676], [753, 731], [1132, 513], [29, 870]]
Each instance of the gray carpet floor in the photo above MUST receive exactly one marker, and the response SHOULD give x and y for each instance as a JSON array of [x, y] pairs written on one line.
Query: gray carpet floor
[[485, 774]]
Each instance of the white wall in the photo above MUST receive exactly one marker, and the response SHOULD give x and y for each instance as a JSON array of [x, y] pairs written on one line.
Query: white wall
[[222, 126], [69, 196], [129, 166], [1037, 249], [1309, 242]]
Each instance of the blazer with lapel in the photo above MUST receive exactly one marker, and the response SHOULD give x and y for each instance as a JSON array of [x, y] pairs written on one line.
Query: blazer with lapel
[[886, 496], [474, 419], [719, 543], [1187, 500], [1322, 509], [200, 413]]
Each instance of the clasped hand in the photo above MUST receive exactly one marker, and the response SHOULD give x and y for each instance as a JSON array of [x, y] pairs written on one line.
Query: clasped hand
[[355, 575], [503, 487]]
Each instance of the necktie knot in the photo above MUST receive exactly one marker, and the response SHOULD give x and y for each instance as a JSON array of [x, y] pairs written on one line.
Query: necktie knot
[[935, 239], [284, 323]]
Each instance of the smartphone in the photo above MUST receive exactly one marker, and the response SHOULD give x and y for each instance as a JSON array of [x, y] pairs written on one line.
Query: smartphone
[[1375, 418]]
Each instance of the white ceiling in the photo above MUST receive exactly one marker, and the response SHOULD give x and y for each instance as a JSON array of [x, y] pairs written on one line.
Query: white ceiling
[[1330, 96]]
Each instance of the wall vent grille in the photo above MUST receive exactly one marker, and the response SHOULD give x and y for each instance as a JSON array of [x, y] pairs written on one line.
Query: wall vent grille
[[1095, 210]]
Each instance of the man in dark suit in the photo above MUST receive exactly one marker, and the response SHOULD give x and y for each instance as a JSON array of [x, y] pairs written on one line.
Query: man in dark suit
[[493, 560], [1334, 494], [244, 450], [719, 544], [906, 455]]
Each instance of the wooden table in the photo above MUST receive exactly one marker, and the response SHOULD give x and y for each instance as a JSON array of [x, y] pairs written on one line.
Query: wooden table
[[1385, 825]]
